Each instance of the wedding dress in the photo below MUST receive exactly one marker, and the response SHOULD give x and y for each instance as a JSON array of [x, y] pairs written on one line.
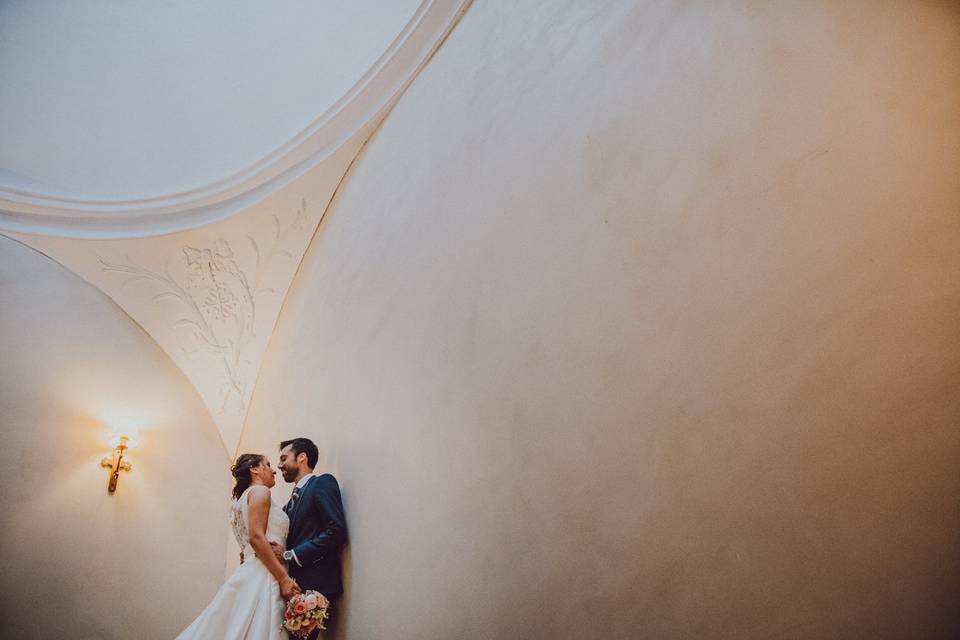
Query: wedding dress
[[248, 606]]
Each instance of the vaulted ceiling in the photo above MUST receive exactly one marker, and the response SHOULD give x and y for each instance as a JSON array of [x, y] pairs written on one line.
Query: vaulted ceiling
[[180, 156]]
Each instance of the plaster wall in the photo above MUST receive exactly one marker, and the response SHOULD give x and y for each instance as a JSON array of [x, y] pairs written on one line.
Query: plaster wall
[[639, 320], [77, 561]]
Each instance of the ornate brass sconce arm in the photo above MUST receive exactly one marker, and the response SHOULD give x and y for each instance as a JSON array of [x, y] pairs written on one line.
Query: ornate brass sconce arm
[[116, 464]]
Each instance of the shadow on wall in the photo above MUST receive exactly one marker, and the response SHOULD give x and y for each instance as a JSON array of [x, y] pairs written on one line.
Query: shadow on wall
[[340, 618]]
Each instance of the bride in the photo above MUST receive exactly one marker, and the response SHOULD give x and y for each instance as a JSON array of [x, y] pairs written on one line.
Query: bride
[[249, 605]]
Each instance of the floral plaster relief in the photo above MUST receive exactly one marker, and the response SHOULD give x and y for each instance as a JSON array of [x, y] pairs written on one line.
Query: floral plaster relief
[[211, 296]]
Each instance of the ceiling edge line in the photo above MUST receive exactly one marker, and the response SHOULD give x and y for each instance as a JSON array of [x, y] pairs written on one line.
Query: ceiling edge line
[[32, 212]]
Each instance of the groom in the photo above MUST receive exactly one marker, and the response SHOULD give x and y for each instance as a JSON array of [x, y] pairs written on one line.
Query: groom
[[318, 528]]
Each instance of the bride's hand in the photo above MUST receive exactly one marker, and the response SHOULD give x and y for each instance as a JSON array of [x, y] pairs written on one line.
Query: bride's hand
[[289, 588]]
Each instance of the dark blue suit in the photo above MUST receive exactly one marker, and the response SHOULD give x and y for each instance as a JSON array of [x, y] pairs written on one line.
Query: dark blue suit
[[318, 530]]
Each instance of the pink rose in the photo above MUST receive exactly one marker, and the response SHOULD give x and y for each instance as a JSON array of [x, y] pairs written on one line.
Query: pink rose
[[300, 607]]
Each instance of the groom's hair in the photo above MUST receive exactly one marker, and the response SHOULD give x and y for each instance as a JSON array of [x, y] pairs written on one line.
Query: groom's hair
[[303, 445]]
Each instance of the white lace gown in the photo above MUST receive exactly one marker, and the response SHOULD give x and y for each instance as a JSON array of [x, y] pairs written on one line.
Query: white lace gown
[[248, 606]]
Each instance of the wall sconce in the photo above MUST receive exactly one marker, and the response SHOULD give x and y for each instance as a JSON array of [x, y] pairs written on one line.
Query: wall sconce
[[116, 464]]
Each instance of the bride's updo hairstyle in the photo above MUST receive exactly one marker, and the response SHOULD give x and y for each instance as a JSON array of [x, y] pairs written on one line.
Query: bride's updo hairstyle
[[241, 471]]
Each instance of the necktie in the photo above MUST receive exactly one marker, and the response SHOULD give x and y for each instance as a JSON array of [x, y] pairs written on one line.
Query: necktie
[[293, 500]]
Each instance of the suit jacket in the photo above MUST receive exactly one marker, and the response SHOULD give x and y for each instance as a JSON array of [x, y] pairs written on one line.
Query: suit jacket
[[318, 530]]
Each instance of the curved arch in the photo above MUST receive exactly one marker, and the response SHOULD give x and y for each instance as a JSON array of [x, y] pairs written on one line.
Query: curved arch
[[24, 210], [228, 455]]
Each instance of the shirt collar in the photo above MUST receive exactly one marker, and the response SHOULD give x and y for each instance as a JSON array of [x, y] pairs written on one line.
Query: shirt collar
[[301, 483]]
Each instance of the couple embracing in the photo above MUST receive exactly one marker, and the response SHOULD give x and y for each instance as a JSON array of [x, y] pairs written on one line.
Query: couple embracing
[[284, 552]]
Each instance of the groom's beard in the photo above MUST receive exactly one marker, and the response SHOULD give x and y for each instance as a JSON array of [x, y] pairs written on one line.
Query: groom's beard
[[288, 475]]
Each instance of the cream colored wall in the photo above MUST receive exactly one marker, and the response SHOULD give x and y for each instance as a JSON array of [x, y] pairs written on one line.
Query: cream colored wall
[[640, 320], [76, 561]]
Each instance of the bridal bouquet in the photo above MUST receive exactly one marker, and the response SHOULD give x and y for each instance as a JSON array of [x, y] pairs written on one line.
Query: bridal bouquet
[[305, 612]]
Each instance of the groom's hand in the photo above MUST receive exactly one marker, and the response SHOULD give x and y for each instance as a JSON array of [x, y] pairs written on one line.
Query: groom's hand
[[277, 551]]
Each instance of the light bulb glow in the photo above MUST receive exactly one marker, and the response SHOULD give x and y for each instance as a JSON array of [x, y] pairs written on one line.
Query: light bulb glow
[[129, 443]]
